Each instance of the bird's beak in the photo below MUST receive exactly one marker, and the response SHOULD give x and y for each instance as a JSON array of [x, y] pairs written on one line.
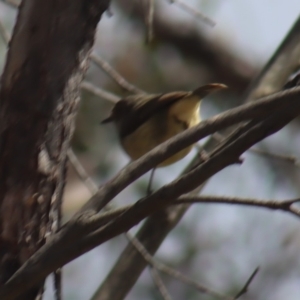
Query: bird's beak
[[205, 90], [107, 120]]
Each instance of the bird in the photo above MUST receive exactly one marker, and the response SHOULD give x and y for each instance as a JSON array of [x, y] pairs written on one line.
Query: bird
[[144, 121]]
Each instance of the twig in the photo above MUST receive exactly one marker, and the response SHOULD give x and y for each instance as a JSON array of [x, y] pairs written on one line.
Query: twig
[[149, 186], [163, 196], [194, 134], [285, 205], [119, 79], [77, 237], [155, 229], [214, 55], [194, 12], [91, 185], [159, 284], [182, 200], [174, 273], [149, 21], [287, 158], [244, 289], [114, 213], [99, 92], [110, 214]]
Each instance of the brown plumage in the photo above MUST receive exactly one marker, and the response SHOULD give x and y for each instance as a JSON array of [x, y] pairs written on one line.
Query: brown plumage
[[145, 121]]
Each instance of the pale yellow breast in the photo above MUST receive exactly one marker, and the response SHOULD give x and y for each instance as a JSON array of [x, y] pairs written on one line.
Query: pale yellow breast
[[161, 127]]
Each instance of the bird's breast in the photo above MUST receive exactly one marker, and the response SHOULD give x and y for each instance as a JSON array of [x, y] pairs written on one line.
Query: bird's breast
[[161, 127]]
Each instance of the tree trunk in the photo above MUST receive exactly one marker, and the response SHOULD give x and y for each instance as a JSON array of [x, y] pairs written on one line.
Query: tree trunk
[[39, 96]]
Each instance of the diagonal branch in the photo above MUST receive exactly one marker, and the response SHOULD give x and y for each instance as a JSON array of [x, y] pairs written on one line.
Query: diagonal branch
[[119, 79], [285, 205], [164, 196], [77, 236], [214, 56], [279, 68], [174, 273], [244, 289], [154, 266], [87, 86], [156, 228], [159, 284], [277, 102]]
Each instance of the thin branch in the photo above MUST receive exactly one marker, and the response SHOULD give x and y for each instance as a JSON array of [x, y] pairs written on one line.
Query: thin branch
[[194, 12], [154, 230], [244, 289], [91, 185], [77, 238], [214, 55], [279, 68], [99, 92], [174, 273], [119, 79], [149, 21], [93, 188], [164, 195], [237, 74], [121, 212], [105, 194], [224, 157], [286, 158], [276, 101], [285, 205], [159, 284]]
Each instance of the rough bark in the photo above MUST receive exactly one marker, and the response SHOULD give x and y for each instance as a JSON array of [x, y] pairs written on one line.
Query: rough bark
[[39, 94]]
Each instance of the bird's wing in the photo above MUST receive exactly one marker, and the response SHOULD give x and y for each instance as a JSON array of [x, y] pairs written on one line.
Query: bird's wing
[[136, 110], [133, 111]]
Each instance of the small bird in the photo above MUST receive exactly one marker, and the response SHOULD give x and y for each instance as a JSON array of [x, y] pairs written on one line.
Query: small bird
[[145, 121]]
